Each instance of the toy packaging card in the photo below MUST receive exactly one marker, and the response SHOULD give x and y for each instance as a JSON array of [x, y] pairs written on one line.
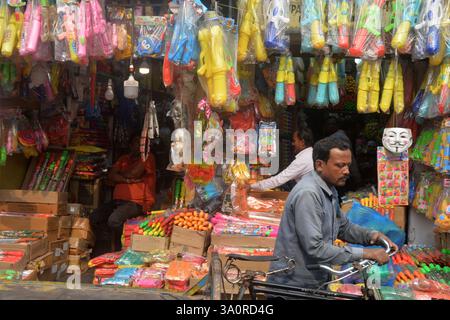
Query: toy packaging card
[[393, 178]]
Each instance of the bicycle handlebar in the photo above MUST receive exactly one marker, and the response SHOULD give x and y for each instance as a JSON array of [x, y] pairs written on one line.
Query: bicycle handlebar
[[362, 264]]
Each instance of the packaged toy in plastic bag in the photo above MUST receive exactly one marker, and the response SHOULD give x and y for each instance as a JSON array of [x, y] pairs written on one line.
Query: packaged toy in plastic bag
[[12, 32], [369, 218], [31, 31], [66, 43], [393, 88], [428, 29], [251, 45], [339, 16], [217, 62], [210, 191], [122, 20], [367, 41], [150, 33], [104, 259], [312, 25], [159, 256], [200, 174], [277, 23], [184, 48], [249, 94], [267, 139], [369, 87], [4, 18], [406, 14], [244, 120]]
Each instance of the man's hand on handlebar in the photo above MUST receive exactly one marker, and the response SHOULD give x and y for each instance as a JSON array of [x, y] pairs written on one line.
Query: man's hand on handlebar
[[378, 255], [378, 236]]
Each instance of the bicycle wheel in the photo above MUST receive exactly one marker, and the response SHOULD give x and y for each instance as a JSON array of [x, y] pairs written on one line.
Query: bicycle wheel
[[215, 277]]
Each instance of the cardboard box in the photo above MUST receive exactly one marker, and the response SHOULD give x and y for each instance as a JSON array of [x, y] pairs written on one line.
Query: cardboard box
[[29, 275], [18, 222], [17, 266], [281, 195], [41, 263], [185, 240], [32, 249], [54, 273], [80, 261], [78, 244], [83, 234], [81, 223], [242, 241], [148, 243], [400, 217], [60, 250], [33, 202], [75, 209], [64, 227], [53, 236]]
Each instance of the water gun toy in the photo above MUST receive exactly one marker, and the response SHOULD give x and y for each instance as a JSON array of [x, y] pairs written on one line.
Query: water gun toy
[[444, 79], [250, 30], [277, 24], [367, 40], [369, 87], [184, 46], [339, 17], [312, 22], [393, 88], [431, 22], [12, 33], [408, 13]]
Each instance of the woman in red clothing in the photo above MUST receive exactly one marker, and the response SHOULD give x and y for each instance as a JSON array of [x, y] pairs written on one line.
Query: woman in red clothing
[[134, 192]]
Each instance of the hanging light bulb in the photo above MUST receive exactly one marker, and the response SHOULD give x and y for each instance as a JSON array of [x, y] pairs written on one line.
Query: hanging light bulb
[[144, 68], [109, 94], [131, 86]]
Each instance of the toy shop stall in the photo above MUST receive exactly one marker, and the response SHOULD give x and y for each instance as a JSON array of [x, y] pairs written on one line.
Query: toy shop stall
[[215, 91]]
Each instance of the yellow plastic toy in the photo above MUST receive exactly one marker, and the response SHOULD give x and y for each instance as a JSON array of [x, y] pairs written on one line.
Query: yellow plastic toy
[[4, 13], [393, 83], [439, 57], [250, 30], [12, 34], [212, 64], [369, 87]]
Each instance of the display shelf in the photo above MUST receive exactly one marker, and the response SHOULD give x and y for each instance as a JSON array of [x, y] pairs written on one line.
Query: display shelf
[[21, 103]]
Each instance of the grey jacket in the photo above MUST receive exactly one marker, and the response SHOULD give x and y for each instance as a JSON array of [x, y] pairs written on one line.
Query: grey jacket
[[311, 222]]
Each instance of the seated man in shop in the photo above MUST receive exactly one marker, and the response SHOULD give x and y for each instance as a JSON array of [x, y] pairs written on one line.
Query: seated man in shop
[[134, 192], [302, 141], [312, 221]]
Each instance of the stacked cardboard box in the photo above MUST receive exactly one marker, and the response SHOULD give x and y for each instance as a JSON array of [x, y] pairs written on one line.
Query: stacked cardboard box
[[81, 241], [46, 257]]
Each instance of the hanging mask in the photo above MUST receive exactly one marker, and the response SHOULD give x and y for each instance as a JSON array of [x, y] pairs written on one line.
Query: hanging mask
[[397, 140]]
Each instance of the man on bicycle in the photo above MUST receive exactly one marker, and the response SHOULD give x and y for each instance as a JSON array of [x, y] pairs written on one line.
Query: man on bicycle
[[312, 221]]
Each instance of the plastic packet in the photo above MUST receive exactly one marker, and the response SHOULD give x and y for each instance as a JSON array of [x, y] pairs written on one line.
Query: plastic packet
[[131, 258], [201, 174], [65, 31], [367, 40], [210, 191], [277, 23], [244, 120], [267, 139], [369, 87], [159, 256], [312, 25], [150, 33], [31, 31], [4, 19], [178, 275], [121, 30], [184, 48], [149, 278], [249, 94], [339, 17], [10, 275], [105, 258], [123, 277], [12, 31], [195, 259], [99, 44], [250, 44], [393, 88]]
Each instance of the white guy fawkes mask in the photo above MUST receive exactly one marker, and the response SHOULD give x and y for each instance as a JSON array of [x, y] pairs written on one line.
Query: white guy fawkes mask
[[397, 140]]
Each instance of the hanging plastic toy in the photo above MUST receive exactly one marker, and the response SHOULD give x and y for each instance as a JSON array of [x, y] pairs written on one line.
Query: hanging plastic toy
[[369, 87], [12, 33], [285, 87], [314, 71], [312, 21], [433, 11], [184, 46], [149, 131], [339, 18], [277, 15], [250, 31], [4, 18], [151, 33], [367, 39], [393, 88], [407, 12]]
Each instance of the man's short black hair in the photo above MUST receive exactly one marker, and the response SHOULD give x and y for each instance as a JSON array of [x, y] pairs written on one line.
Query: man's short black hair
[[322, 148], [306, 135]]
